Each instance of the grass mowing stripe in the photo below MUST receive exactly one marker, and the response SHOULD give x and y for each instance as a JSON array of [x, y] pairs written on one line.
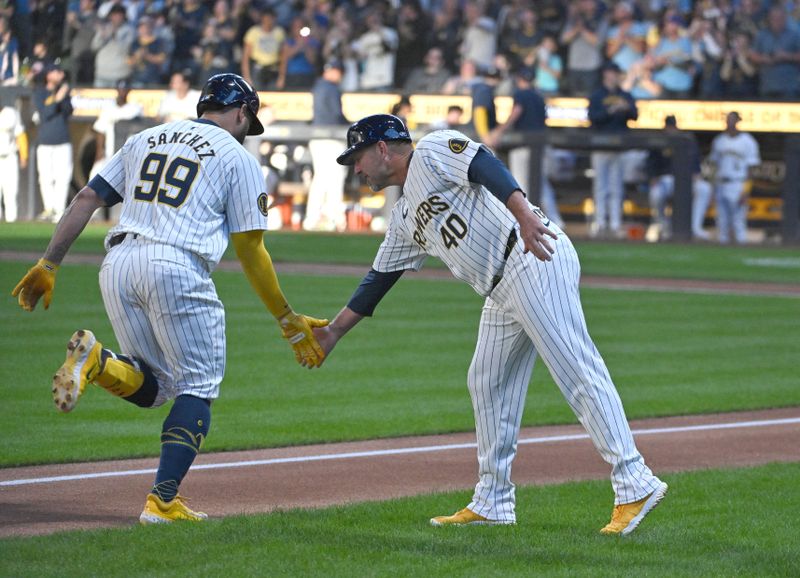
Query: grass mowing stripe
[[401, 373], [398, 451], [706, 526], [666, 260]]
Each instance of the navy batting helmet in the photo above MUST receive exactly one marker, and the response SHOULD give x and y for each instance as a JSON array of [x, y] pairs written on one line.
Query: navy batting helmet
[[369, 130], [228, 89]]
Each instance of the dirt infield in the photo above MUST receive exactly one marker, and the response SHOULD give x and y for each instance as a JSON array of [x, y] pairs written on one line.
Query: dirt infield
[[52, 498]]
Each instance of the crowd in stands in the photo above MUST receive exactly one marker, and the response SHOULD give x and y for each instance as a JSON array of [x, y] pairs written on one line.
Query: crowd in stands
[[666, 48]]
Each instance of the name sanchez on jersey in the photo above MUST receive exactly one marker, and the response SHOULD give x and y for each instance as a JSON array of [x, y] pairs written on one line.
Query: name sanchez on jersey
[[188, 138]]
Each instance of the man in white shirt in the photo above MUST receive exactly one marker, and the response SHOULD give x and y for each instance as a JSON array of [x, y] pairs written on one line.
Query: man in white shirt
[[733, 153], [180, 102]]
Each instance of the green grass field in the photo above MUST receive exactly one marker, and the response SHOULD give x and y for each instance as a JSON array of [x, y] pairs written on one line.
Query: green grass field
[[669, 354], [403, 373], [714, 262], [740, 522]]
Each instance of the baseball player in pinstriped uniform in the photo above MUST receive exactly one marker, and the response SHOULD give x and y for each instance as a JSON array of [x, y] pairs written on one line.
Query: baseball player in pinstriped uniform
[[462, 205], [733, 154], [184, 186]]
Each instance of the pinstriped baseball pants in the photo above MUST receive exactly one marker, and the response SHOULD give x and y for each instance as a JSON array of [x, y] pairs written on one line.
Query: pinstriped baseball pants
[[164, 309], [535, 310]]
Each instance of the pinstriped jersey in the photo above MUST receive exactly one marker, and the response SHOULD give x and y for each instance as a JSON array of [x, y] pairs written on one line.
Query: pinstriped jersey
[[442, 214], [188, 184]]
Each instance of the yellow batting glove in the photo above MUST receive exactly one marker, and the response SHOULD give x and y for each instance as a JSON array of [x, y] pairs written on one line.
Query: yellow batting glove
[[37, 282], [297, 329]]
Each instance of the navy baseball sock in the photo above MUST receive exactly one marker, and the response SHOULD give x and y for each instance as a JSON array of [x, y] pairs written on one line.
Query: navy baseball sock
[[182, 435]]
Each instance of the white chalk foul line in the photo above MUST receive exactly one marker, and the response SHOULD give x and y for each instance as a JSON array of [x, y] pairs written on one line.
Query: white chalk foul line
[[394, 452]]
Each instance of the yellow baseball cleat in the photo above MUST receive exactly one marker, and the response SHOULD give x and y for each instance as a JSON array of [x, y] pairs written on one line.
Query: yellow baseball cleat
[[626, 517], [81, 367], [157, 511], [465, 517]]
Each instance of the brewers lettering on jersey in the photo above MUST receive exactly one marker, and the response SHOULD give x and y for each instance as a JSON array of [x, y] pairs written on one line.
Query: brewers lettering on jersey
[[462, 205], [185, 187]]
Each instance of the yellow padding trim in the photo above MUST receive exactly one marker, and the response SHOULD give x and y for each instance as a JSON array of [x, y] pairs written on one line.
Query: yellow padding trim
[[119, 378]]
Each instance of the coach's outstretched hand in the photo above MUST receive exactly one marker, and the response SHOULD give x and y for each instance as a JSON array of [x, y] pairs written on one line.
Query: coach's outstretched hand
[[37, 282], [297, 329]]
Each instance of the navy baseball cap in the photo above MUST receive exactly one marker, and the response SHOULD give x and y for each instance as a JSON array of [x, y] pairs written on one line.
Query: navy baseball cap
[[369, 130]]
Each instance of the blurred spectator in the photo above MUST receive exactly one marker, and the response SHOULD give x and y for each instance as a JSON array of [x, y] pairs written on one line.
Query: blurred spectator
[[413, 30], [54, 148], [552, 16], [739, 74], [528, 114], [111, 44], [708, 47], [22, 24], [187, 20], [626, 37], [462, 82], [105, 125], [376, 51], [748, 18], [402, 109], [505, 79], [662, 189], [261, 52], [639, 80], [548, 68], [181, 101], [216, 46], [610, 109], [484, 113], [452, 121], [446, 33], [429, 78], [325, 207], [521, 38], [299, 55], [164, 33], [9, 55], [78, 33], [148, 56], [776, 51], [479, 42], [584, 36], [41, 59], [318, 15], [672, 58], [733, 154], [49, 17], [13, 157], [338, 46]]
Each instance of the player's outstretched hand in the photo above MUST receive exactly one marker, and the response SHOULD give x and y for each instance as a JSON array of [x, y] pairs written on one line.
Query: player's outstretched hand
[[37, 282], [297, 329], [534, 234], [327, 338]]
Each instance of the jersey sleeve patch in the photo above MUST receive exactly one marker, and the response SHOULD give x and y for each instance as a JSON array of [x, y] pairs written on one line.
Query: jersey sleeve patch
[[457, 145], [263, 203]]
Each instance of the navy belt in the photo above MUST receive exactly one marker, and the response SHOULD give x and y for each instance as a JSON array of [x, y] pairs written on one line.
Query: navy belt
[[510, 243], [119, 238]]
